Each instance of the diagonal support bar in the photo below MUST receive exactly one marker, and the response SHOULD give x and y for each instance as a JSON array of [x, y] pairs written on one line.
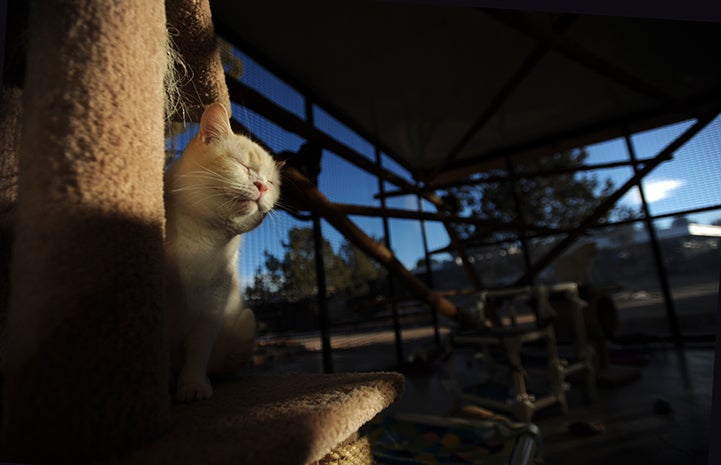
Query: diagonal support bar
[[299, 187], [252, 99], [561, 25], [360, 210], [257, 102], [610, 201], [575, 52]]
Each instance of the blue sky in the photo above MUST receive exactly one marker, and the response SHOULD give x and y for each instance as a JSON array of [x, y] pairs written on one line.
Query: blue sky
[[691, 180]]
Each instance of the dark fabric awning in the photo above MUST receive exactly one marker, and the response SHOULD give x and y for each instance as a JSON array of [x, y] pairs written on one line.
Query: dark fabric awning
[[450, 90]]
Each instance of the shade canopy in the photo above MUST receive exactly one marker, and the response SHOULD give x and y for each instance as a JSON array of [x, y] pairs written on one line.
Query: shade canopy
[[451, 90]]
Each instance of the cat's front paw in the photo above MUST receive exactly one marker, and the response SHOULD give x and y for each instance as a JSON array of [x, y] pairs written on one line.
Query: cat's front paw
[[194, 389]]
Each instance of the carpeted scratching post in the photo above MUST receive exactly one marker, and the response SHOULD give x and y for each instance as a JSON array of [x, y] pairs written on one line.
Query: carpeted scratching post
[[200, 72], [298, 419], [13, 75], [86, 369], [10, 111]]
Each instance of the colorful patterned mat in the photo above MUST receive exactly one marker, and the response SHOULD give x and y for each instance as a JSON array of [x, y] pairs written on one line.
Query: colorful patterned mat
[[429, 440]]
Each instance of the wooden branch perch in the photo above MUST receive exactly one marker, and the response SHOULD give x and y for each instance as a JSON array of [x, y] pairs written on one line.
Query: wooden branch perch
[[302, 190]]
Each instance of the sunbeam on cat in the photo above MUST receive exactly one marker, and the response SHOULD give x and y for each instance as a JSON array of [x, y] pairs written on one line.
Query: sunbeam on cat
[[223, 186]]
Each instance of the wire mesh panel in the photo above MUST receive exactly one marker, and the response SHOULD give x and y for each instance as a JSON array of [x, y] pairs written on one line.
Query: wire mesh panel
[[288, 337], [628, 207], [607, 152], [393, 166], [272, 135], [334, 128], [615, 263], [629, 274], [343, 182], [691, 254], [362, 335], [690, 180], [522, 209], [243, 68], [651, 142], [178, 135], [279, 263], [561, 190]]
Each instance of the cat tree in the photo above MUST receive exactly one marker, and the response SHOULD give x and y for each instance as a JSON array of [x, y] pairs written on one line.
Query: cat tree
[[85, 369]]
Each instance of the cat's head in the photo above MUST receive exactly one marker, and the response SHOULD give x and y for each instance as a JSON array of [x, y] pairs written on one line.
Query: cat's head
[[224, 178]]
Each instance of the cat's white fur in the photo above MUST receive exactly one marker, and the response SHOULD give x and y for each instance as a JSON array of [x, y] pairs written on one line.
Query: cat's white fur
[[222, 186]]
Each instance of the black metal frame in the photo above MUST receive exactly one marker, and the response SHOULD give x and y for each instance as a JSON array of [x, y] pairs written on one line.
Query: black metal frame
[[448, 172]]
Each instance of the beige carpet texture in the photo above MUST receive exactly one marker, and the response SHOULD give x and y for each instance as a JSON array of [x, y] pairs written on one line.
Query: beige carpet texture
[[272, 419], [83, 353]]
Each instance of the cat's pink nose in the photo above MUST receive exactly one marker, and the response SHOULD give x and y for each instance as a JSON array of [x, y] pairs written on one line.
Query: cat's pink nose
[[261, 187]]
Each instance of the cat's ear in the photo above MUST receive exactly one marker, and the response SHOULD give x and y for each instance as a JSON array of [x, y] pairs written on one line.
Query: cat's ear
[[214, 124], [279, 163]]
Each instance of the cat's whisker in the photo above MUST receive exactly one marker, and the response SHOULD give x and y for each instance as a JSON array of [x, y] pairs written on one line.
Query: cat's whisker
[[280, 204], [214, 174], [219, 194], [283, 206], [192, 188], [215, 179], [233, 201], [277, 212], [275, 217], [289, 181], [200, 175], [208, 175], [219, 174], [197, 187], [201, 195], [203, 199]]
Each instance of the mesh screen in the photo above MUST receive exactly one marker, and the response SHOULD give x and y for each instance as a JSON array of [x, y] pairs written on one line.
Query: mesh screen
[[691, 179], [246, 70], [331, 126], [278, 257], [691, 257], [343, 182]]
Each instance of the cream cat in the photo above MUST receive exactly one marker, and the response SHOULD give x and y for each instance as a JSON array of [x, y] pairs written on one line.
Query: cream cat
[[222, 186]]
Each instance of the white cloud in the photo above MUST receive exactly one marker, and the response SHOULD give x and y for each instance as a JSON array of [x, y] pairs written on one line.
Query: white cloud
[[655, 190]]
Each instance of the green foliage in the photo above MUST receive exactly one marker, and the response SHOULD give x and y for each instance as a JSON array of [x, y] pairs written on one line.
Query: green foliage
[[558, 201], [362, 271], [293, 278], [266, 285]]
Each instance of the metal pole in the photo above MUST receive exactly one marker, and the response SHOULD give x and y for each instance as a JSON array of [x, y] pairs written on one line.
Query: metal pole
[[391, 281], [671, 315], [323, 316], [522, 233], [560, 26], [608, 203], [429, 273]]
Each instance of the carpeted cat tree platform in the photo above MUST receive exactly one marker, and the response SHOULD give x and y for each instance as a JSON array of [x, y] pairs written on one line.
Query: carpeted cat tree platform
[[85, 366]]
